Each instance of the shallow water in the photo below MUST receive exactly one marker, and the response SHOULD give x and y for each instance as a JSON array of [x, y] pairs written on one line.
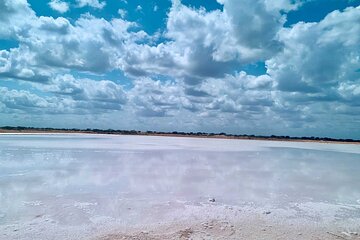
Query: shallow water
[[72, 178]]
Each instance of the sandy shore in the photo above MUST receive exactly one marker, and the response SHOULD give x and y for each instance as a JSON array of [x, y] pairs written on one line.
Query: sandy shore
[[247, 224], [204, 221]]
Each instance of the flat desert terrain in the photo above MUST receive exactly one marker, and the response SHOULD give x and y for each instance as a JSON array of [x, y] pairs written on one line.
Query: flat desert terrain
[[102, 187]]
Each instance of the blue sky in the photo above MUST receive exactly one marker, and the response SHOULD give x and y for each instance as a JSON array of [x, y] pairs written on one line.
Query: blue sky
[[283, 67]]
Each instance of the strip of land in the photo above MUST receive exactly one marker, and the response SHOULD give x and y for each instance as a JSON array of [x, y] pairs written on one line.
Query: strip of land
[[29, 130]]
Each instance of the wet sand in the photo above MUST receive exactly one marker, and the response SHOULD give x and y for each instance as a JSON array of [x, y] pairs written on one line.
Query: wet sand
[[80, 186]]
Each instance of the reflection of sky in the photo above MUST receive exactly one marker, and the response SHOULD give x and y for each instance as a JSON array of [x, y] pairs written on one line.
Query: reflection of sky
[[105, 175]]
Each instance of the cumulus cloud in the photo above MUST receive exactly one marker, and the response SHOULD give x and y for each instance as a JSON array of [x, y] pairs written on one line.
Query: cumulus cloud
[[210, 44], [187, 54], [319, 57], [156, 99], [191, 70], [16, 18], [315, 75], [26, 102], [90, 44], [200, 44], [102, 94], [122, 13], [16, 64], [257, 38], [91, 3], [21, 100], [65, 94], [241, 93], [60, 6], [139, 8]]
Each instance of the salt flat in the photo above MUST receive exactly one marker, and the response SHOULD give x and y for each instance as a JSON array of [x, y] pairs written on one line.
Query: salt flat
[[79, 186]]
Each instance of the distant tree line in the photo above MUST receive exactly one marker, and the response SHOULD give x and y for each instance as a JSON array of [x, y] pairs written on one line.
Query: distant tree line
[[175, 133]]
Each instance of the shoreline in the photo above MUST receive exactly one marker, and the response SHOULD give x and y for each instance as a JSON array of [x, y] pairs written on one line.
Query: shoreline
[[216, 136], [200, 221]]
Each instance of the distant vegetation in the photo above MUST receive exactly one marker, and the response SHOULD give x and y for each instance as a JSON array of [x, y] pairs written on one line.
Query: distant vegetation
[[174, 133]]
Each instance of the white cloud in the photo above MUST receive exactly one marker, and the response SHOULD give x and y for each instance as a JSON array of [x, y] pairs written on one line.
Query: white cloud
[[319, 56], [312, 68], [122, 13], [155, 99], [17, 64], [246, 31], [138, 8], [202, 44], [240, 93], [65, 94], [60, 6], [91, 3], [283, 5], [187, 55], [210, 44], [25, 102], [350, 92], [21, 100], [16, 18], [90, 44], [102, 94]]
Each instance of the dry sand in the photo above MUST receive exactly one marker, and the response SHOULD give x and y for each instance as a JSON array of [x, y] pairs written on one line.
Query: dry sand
[[246, 224], [204, 221]]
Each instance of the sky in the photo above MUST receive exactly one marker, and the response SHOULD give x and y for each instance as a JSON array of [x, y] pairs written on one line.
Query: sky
[[263, 67]]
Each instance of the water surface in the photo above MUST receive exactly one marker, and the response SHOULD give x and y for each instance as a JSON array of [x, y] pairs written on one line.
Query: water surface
[[72, 178]]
